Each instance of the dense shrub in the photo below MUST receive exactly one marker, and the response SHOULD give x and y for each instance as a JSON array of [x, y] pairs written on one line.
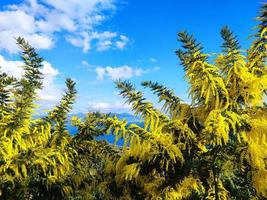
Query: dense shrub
[[213, 148]]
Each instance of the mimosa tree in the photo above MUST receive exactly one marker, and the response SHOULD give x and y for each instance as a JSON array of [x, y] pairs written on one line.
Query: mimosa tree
[[35, 154], [214, 148]]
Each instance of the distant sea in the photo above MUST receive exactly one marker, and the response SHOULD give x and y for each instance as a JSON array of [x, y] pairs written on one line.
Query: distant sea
[[109, 138]]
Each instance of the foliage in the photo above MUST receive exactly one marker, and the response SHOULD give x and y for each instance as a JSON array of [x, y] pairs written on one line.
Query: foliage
[[213, 148], [33, 158]]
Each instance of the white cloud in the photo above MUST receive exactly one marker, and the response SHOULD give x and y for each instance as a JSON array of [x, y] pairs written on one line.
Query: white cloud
[[39, 20], [153, 60], [101, 72], [107, 35], [60, 22], [103, 41], [114, 73], [39, 41], [157, 68], [48, 70], [11, 67], [82, 40], [85, 63], [104, 45], [17, 21], [116, 106], [51, 91], [122, 42]]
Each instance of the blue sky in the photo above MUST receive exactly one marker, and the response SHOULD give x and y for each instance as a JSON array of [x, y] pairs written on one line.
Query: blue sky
[[97, 41]]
